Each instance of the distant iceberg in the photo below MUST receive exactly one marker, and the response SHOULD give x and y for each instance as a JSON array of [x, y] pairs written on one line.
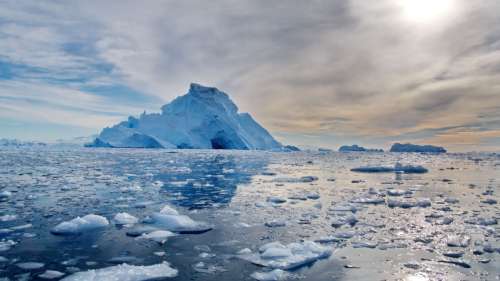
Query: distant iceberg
[[204, 118], [408, 147], [357, 148]]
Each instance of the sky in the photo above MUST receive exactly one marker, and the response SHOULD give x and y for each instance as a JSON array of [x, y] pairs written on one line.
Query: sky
[[314, 73]]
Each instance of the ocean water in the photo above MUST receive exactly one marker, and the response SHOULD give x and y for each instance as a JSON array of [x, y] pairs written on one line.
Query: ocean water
[[439, 225]]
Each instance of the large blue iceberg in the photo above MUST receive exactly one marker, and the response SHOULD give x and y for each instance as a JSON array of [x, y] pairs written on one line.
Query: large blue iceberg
[[204, 118]]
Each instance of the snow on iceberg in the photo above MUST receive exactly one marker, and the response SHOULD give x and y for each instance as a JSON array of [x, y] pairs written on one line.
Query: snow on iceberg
[[204, 118], [278, 256], [125, 272], [408, 147], [79, 225]]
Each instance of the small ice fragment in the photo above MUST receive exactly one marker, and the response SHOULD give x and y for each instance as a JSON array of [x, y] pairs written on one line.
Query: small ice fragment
[[125, 272], [159, 236], [179, 223], [30, 265], [167, 210], [275, 275], [6, 218], [79, 225], [278, 256], [125, 218], [276, 199], [275, 223], [51, 274], [5, 245]]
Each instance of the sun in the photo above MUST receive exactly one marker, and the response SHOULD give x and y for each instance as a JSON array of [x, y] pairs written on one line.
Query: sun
[[426, 11]]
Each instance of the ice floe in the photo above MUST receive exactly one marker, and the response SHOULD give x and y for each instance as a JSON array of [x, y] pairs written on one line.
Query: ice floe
[[278, 256], [125, 272], [124, 218], [80, 224]]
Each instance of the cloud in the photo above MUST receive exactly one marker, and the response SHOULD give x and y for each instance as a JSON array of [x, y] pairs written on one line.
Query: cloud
[[341, 70]]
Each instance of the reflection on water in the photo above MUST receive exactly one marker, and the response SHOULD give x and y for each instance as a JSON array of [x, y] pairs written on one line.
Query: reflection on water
[[210, 181]]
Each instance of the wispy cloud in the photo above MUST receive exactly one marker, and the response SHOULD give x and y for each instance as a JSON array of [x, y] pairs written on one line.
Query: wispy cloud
[[341, 70]]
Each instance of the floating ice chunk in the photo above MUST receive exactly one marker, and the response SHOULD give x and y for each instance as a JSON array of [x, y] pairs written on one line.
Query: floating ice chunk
[[140, 230], [458, 241], [397, 192], [338, 222], [313, 195], [344, 234], [275, 223], [125, 272], [343, 208], [125, 218], [6, 218], [5, 245], [4, 195], [397, 168], [368, 200], [364, 244], [244, 251], [79, 225], [391, 203], [51, 274], [30, 265], [308, 179], [179, 223], [159, 236], [275, 275], [451, 200], [167, 210], [276, 199], [328, 239], [424, 202], [278, 256]]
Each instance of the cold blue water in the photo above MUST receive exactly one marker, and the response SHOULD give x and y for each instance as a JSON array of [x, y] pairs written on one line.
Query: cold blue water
[[439, 225]]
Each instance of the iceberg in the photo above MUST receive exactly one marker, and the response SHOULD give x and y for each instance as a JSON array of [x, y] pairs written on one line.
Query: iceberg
[[204, 118], [408, 147]]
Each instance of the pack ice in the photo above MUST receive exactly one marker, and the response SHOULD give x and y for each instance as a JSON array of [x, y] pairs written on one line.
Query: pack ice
[[204, 118]]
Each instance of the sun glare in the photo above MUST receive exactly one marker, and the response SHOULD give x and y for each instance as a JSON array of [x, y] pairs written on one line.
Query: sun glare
[[426, 11]]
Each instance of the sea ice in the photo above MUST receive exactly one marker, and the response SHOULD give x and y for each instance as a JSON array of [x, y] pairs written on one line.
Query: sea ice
[[159, 236], [179, 223], [30, 265], [125, 272], [79, 225], [275, 275], [278, 256], [125, 218], [51, 274]]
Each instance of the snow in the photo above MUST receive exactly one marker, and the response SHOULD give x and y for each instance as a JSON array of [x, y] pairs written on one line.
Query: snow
[[125, 218], [125, 272], [278, 256], [78, 225], [204, 118]]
